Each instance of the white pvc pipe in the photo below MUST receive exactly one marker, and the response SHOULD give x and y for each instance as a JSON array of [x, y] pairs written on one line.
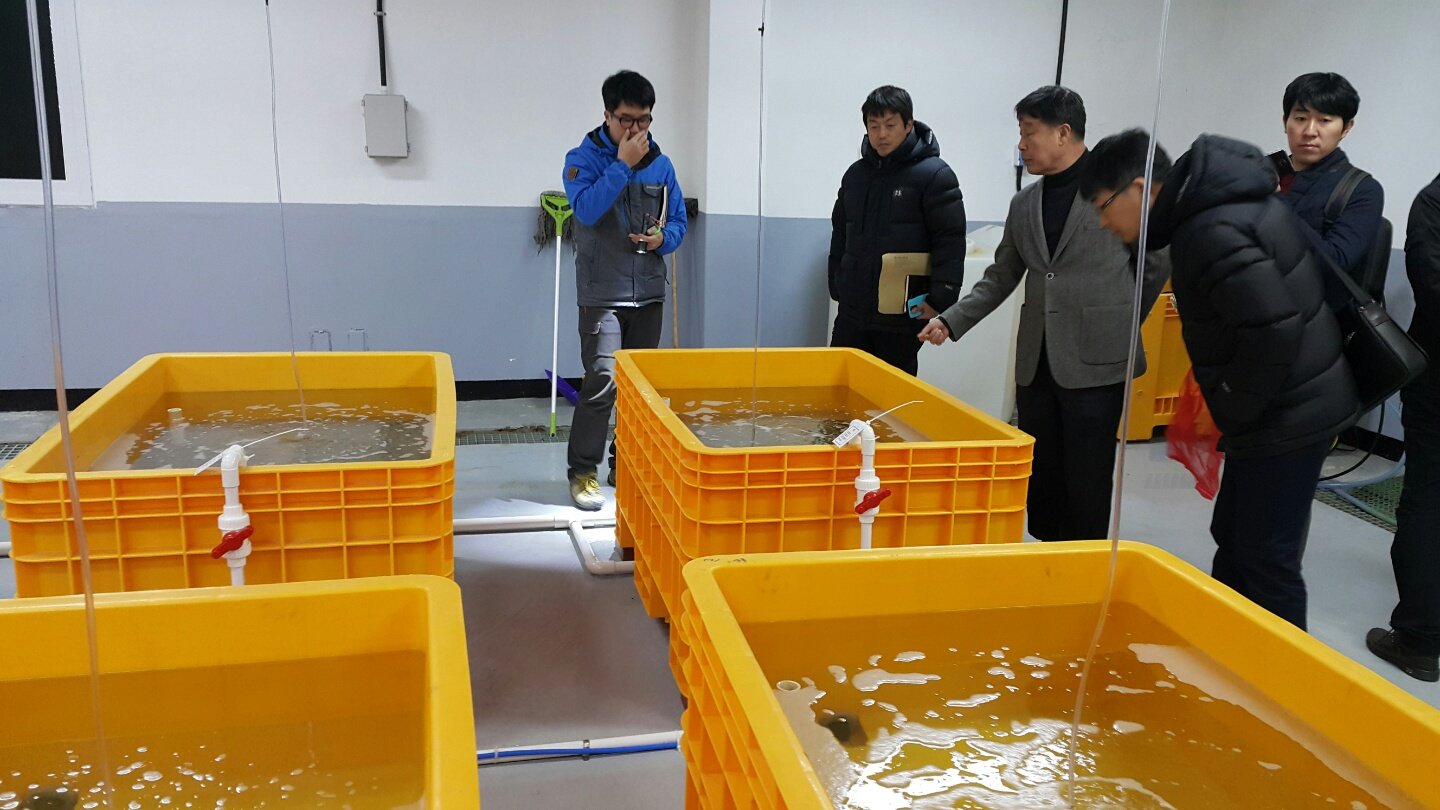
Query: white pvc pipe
[[526, 523], [867, 481], [593, 564], [236, 561], [571, 748], [233, 517], [576, 527]]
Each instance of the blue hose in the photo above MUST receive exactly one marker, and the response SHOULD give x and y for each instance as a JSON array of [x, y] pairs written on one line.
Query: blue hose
[[493, 756]]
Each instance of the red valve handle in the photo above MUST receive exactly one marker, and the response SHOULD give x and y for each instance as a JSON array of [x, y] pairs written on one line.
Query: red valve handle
[[871, 500], [232, 541]]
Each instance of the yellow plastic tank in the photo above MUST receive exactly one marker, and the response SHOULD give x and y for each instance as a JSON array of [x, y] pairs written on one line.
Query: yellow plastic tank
[[325, 693], [679, 498], [969, 657], [155, 528]]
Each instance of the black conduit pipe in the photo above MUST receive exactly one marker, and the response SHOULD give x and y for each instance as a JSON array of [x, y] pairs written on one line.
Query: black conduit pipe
[[380, 28]]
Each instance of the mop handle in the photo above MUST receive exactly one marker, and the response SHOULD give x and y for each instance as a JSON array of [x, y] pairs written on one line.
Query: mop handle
[[555, 337], [558, 208]]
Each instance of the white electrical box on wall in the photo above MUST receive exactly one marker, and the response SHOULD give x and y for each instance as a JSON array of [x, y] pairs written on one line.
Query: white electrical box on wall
[[385, 132]]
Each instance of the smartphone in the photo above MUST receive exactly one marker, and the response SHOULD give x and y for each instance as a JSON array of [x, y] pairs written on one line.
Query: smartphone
[[1281, 162]]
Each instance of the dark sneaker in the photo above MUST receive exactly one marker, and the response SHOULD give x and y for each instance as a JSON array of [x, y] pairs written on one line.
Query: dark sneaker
[[610, 479], [585, 492], [1387, 645]]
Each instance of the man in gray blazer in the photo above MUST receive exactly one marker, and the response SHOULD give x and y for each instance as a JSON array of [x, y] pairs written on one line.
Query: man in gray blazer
[[1075, 324]]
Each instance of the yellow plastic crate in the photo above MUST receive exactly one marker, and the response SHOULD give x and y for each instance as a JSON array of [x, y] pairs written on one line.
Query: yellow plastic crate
[[1156, 393], [740, 750], [657, 575], [151, 529], [223, 668], [966, 485]]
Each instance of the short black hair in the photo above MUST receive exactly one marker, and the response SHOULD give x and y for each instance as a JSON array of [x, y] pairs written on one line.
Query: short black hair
[[887, 99], [1328, 93], [1055, 105], [1117, 160], [627, 87]]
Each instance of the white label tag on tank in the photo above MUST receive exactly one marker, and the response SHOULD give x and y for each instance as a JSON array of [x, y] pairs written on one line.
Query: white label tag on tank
[[848, 434]]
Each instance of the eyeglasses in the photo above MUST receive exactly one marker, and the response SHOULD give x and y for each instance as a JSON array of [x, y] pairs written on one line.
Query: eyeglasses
[[1111, 199], [627, 121]]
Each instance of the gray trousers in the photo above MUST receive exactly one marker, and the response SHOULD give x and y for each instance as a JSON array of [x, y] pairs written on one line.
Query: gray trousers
[[604, 331]]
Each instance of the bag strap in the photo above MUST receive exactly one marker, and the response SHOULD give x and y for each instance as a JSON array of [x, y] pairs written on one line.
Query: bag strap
[[1340, 197], [1334, 206], [1357, 293]]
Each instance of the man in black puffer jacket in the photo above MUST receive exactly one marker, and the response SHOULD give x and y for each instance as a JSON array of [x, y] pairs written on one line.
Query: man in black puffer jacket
[[1265, 348], [1413, 640], [899, 197]]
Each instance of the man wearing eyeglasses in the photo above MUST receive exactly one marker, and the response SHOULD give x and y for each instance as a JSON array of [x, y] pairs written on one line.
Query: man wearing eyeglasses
[[1266, 349], [629, 213], [1075, 327]]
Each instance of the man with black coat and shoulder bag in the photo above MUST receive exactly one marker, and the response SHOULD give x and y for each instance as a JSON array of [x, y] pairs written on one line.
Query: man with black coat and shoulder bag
[[1267, 351]]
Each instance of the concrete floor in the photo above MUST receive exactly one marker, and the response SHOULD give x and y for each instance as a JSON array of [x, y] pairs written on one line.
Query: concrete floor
[[556, 654]]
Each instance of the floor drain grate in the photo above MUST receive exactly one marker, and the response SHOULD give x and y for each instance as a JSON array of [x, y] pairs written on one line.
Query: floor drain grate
[[537, 434], [1377, 502], [9, 450]]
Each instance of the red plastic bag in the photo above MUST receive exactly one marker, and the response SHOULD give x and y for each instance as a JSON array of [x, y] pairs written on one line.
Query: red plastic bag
[[1192, 438]]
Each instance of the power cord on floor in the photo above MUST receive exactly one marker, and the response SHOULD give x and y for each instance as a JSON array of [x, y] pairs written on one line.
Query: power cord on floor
[[1379, 431]]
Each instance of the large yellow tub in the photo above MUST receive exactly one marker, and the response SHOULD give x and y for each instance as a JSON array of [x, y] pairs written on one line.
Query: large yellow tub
[[678, 498], [324, 694], [152, 529], [992, 637]]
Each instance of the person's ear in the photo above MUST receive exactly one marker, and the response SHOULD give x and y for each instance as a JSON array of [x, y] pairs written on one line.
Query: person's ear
[[1349, 125]]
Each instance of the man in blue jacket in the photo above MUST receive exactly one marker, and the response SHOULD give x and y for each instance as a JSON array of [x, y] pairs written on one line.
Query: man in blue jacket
[[630, 213], [1320, 111]]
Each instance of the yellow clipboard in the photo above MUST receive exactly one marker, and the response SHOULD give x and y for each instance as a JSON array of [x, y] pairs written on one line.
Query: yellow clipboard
[[896, 272]]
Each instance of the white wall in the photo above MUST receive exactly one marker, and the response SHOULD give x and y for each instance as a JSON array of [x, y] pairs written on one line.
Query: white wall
[[959, 62], [965, 65], [732, 106], [179, 95], [1111, 53], [178, 105], [1228, 63]]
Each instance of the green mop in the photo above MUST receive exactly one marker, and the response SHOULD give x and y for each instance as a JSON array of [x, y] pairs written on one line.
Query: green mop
[[557, 206]]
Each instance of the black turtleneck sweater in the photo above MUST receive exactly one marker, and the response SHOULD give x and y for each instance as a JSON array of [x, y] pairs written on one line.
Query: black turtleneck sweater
[[1057, 193]]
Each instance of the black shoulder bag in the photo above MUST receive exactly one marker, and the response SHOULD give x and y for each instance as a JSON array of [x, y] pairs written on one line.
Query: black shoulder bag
[[1383, 358]]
